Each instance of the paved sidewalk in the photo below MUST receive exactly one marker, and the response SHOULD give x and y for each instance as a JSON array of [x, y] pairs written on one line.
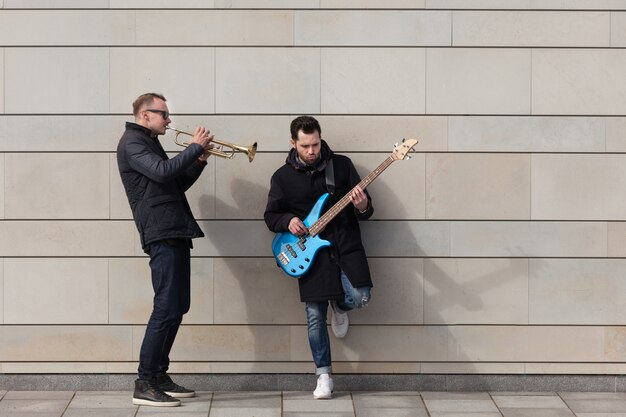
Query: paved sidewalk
[[296, 404]]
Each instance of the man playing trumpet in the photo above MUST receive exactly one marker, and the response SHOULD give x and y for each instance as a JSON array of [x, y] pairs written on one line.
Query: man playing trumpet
[[155, 186]]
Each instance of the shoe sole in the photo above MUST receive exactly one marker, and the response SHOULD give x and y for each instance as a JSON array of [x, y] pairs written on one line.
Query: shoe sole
[[323, 397], [180, 394], [139, 401]]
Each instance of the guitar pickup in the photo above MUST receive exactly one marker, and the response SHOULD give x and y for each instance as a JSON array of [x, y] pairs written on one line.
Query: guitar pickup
[[301, 244], [283, 258], [291, 251]]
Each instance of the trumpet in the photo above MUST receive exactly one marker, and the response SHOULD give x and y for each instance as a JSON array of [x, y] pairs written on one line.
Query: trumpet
[[250, 150]]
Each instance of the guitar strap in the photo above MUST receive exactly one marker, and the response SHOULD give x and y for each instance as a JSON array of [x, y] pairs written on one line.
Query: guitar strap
[[330, 177]]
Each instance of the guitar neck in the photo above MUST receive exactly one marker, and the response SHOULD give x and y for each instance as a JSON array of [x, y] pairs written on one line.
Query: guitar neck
[[321, 223]]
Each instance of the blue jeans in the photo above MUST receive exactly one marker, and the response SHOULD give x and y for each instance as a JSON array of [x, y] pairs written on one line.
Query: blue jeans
[[316, 322], [170, 263]]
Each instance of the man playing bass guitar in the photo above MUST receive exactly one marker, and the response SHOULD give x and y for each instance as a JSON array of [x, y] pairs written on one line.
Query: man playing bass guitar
[[339, 275]]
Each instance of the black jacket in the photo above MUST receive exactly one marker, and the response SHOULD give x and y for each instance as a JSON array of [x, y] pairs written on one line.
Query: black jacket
[[155, 185], [294, 189]]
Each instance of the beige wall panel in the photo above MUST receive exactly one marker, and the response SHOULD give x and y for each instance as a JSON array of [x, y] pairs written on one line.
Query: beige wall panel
[[618, 29], [527, 134], [617, 239], [262, 4], [398, 293], [130, 289], [377, 81], [226, 343], [378, 343], [477, 186], [531, 28], [2, 60], [56, 368], [65, 74], [2, 184], [472, 368], [406, 238], [529, 239], [241, 187], [577, 291], [371, 4], [398, 193], [66, 343], [56, 291], [51, 4], [215, 27], [160, 4], [476, 291], [255, 291], [380, 133], [616, 134], [60, 133], [67, 238], [67, 27], [517, 344], [270, 132], [234, 238], [267, 80], [576, 368], [354, 28], [615, 343], [1, 290], [478, 81], [579, 81], [61, 186], [527, 4], [187, 88], [579, 187]]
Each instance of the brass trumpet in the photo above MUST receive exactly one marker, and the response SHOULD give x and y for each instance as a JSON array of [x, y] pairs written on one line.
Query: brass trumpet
[[250, 150]]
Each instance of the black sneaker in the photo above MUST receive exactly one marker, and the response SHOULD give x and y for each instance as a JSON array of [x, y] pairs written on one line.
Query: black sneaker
[[165, 384], [148, 393]]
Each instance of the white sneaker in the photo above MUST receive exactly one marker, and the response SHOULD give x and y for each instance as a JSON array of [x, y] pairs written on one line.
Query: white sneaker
[[324, 388], [339, 321]]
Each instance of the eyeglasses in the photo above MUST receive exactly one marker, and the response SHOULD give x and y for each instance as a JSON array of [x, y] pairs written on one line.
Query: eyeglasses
[[163, 113]]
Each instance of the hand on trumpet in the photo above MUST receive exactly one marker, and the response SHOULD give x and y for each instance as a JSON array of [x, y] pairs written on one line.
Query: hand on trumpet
[[203, 138]]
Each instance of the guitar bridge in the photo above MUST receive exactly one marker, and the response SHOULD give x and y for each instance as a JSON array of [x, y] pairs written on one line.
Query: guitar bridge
[[283, 258]]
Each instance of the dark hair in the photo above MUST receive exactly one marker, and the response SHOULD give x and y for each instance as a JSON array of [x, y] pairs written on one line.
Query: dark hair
[[306, 124], [145, 99]]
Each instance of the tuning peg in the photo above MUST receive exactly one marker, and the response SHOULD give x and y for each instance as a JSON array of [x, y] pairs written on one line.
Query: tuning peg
[[403, 139], [395, 145], [408, 158]]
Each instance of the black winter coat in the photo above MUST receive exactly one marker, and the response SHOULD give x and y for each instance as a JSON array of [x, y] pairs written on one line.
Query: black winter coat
[[294, 190], [155, 185]]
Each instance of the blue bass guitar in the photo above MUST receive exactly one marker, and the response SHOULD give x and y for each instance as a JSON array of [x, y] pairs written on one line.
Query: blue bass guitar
[[295, 254]]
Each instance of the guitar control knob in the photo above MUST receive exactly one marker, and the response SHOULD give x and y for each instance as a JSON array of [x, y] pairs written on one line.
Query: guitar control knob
[[301, 267], [307, 259], [293, 271]]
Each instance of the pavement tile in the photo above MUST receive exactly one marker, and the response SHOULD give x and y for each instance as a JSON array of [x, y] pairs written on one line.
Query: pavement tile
[[528, 401], [536, 412], [317, 414], [461, 405], [304, 401], [39, 395], [389, 406], [31, 414], [593, 395], [464, 414], [93, 399], [22, 406], [597, 406], [251, 399], [242, 412], [100, 412]]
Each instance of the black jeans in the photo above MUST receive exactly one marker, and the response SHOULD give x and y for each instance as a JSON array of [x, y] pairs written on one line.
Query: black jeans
[[170, 263]]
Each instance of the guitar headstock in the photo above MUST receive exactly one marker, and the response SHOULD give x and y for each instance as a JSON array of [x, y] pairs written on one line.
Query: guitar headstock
[[402, 149]]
